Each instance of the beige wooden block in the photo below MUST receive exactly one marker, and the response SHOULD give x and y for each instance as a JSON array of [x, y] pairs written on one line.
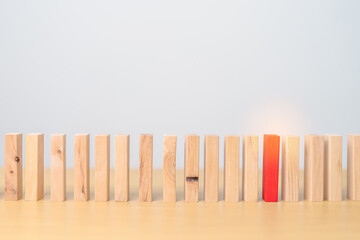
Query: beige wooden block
[[353, 167], [290, 168], [102, 168], [81, 167], [314, 168], [122, 161], [169, 169], [211, 159], [34, 167], [146, 158], [231, 168], [13, 166], [332, 167], [250, 168], [58, 167], [191, 168]]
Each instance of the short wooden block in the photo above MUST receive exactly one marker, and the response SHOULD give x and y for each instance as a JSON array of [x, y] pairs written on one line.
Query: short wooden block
[[34, 167], [146, 158], [102, 168], [290, 168], [169, 169], [314, 168], [122, 161], [353, 167], [333, 168], [231, 168], [250, 168], [58, 167], [81, 167], [191, 168], [13, 166], [211, 159]]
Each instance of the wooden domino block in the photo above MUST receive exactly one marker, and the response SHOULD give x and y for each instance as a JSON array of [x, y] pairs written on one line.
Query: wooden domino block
[[34, 167], [250, 168], [102, 168], [81, 167], [13, 166], [169, 169], [231, 168], [191, 168], [314, 168], [290, 168], [146, 158], [58, 167], [353, 167], [333, 167], [211, 158], [122, 161]]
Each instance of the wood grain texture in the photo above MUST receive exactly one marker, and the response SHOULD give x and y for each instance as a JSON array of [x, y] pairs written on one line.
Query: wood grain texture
[[81, 167], [58, 167], [169, 169], [290, 168], [211, 164], [34, 167], [314, 168], [122, 161], [250, 168], [191, 168], [13, 166], [102, 168], [332, 167], [231, 168], [146, 158], [353, 167]]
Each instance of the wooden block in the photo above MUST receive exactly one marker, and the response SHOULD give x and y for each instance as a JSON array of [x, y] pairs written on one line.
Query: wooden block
[[34, 167], [102, 168], [58, 167], [169, 169], [353, 167], [290, 168], [314, 168], [250, 168], [271, 167], [332, 167], [13, 166], [81, 167], [231, 168], [211, 158], [191, 168], [146, 158], [122, 161]]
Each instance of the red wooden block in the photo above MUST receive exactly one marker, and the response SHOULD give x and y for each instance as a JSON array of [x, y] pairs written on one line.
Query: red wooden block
[[271, 167]]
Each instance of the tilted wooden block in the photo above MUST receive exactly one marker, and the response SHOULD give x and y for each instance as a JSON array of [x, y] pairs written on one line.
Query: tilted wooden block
[[122, 161], [58, 167], [81, 167], [211, 158], [191, 168], [146, 158], [250, 168], [231, 168], [271, 167], [353, 167], [333, 167], [169, 169], [102, 168]]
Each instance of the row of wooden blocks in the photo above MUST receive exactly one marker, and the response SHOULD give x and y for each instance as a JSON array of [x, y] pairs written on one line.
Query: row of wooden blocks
[[323, 167]]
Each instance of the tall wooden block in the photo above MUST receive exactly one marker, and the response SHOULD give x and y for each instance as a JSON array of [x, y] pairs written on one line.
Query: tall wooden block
[[82, 167], [58, 167], [314, 168], [146, 158], [13, 166], [169, 169], [290, 168], [332, 167], [353, 167], [191, 168], [211, 158], [250, 168], [231, 168], [271, 167], [102, 168], [122, 161], [34, 167]]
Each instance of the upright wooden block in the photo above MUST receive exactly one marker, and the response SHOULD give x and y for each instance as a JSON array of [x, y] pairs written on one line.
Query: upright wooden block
[[231, 168], [191, 168], [81, 167], [102, 168], [58, 167], [169, 169], [34, 167], [333, 168], [13, 166], [290, 168], [122, 161], [211, 158], [250, 168], [146, 157], [314, 168], [353, 167]]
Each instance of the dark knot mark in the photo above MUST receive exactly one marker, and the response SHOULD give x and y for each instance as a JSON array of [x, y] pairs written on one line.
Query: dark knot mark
[[83, 189], [17, 159], [192, 179], [11, 172], [59, 152]]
